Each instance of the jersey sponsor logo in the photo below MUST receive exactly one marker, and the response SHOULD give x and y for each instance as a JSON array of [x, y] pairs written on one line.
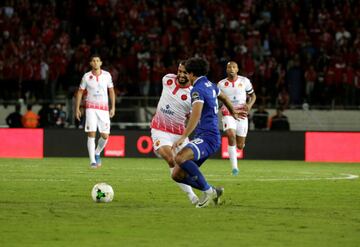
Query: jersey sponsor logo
[[184, 97], [167, 110], [195, 96], [169, 82]]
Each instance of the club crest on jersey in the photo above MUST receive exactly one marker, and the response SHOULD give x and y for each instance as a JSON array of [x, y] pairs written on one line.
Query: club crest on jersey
[[195, 96], [157, 143], [169, 82], [240, 85], [184, 97], [226, 84], [90, 77]]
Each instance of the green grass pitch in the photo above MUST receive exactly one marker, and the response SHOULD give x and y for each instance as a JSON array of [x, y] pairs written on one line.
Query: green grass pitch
[[271, 203]]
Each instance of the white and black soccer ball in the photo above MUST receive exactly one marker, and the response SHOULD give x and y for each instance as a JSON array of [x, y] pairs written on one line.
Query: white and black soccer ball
[[102, 192]]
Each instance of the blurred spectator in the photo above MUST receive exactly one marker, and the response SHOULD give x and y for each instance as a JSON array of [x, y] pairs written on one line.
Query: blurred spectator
[[14, 118], [260, 118], [310, 79], [283, 98], [274, 41], [59, 116], [30, 119], [295, 81], [279, 121], [44, 76], [44, 115]]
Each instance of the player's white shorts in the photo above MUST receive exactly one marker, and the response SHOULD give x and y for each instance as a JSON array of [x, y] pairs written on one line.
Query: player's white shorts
[[97, 119], [162, 138], [240, 126]]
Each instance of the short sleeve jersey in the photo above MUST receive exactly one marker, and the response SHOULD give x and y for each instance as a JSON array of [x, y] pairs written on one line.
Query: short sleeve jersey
[[206, 92], [173, 108], [97, 89], [236, 91]]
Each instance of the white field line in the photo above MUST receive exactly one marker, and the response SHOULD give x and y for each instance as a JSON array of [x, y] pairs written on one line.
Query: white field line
[[342, 176], [345, 177]]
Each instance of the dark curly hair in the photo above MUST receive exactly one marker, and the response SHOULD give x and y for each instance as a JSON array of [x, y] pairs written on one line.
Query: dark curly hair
[[197, 65]]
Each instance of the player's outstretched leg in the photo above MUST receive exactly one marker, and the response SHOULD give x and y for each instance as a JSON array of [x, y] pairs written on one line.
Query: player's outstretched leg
[[91, 150], [187, 189], [233, 160], [100, 147]]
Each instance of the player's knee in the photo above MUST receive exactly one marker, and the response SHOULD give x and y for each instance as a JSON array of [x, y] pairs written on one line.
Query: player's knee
[[177, 175], [170, 160], [240, 145], [179, 159], [104, 136], [231, 139]]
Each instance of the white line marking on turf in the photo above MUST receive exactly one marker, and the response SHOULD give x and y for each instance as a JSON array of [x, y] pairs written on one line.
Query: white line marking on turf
[[229, 178], [34, 180], [344, 177]]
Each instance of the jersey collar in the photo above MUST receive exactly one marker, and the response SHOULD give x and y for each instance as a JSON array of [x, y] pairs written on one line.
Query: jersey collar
[[92, 72], [232, 81], [198, 79], [97, 76], [179, 85]]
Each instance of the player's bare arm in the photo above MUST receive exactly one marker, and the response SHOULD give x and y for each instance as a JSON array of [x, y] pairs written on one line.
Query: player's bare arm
[[112, 102], [250, 103], [78, 102], [192, 123], [235, 113]]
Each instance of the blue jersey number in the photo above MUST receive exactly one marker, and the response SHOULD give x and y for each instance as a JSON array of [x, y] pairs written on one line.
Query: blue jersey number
[[216, 107]]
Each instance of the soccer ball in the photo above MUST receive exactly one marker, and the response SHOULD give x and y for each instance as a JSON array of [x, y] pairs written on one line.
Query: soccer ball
[[102, 192]]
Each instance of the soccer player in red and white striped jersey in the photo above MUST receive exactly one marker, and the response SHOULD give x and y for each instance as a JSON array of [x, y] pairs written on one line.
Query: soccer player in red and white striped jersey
[[237, 88], [99, 86], [168, 123]]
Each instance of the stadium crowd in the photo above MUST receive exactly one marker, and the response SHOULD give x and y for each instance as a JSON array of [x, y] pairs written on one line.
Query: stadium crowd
[[293, 51]]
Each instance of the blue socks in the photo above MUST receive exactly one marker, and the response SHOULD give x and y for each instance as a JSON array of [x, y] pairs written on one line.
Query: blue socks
[[195, 178]]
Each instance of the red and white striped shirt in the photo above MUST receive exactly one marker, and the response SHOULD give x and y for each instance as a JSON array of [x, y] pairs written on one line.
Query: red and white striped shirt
[[236, 91], [97, 89], [173, 108]]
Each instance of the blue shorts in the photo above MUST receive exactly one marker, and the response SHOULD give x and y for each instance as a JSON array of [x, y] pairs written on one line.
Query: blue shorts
[[204, 147]]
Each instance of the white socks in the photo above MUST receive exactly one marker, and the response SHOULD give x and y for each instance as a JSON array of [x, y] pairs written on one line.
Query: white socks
[[233, 156], [91, 149], [101, 145], [184, 187]]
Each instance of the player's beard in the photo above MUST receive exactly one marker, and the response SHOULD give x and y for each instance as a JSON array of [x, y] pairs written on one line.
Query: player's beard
[[183, 82]]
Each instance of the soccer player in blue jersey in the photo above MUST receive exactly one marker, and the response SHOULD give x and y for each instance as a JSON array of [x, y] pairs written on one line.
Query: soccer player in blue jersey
[[207, 139]]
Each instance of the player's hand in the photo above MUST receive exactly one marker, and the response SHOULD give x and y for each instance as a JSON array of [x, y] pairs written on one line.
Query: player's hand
[[112, 112], [240, 114], [78, 114], [246, 108], [178, 143]]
